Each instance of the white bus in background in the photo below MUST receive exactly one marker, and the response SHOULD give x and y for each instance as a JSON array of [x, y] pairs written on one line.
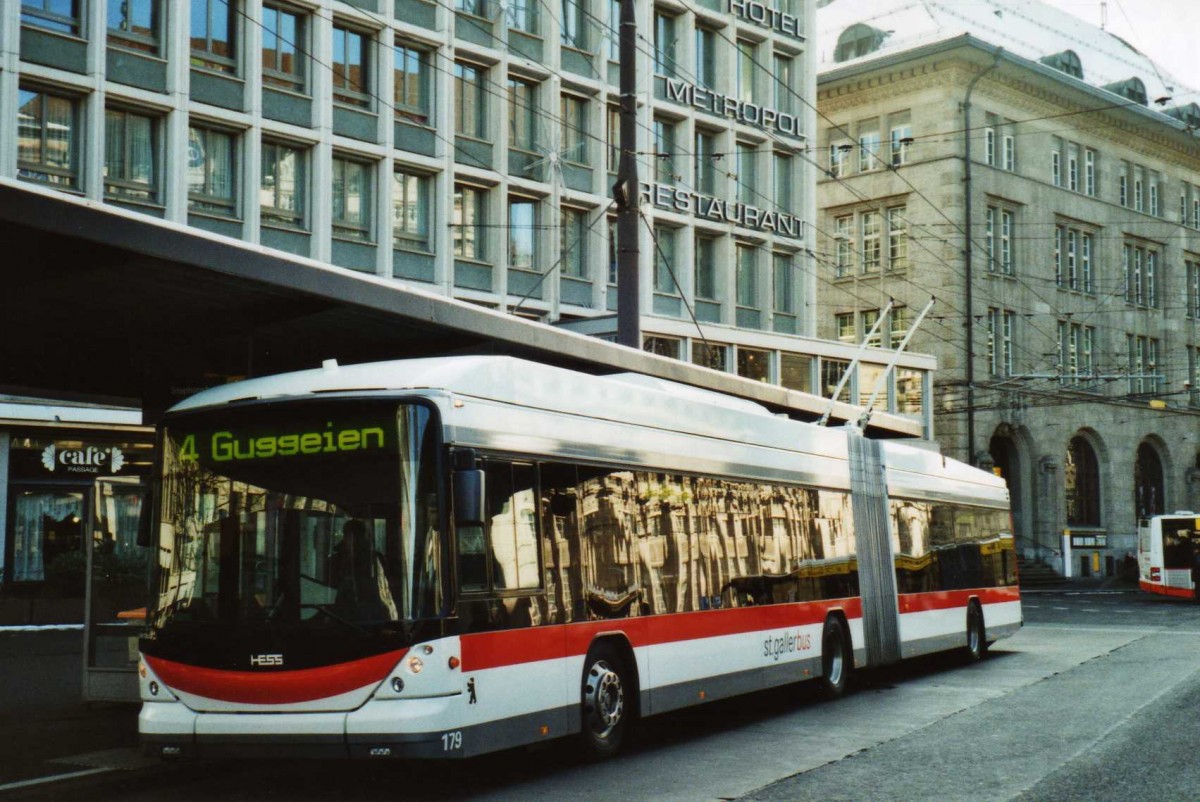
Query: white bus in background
[[445, 557], [1167, 545]]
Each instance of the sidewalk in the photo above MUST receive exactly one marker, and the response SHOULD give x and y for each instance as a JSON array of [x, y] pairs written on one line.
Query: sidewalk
[[1125, 582]]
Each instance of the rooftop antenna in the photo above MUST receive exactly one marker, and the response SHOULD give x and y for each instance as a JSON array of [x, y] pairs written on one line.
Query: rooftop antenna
[[1103, 16], [862, 349]]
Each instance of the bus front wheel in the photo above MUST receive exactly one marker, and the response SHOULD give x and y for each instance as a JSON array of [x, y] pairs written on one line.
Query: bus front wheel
[[976, 634], [605, 702], [836, 659]]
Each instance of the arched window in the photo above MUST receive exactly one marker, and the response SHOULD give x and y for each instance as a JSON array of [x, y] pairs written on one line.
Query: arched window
[[1067, 61], [858, 40], [1081, 481], [1148, 482]]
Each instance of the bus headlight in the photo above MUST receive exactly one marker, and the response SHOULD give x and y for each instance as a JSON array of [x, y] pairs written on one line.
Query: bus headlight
[[415, 664]]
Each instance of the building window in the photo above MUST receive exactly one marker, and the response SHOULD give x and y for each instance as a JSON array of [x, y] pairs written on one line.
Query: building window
[[782, 82], [1010, 152], [705, 279], [47, 139], [783, 182], [351, 67], [1081, 483], [522, 233], [573, 119], [900, 324], [663, 346], [872, 328], [212, 34], [706, 162], [845, 325], [664, 258], [210, 172], [843, 233], [1139, 268], [664, 43], [135, 24], [1073, 167], [1056, 162], [1148, 485], [468, 100], [52, 15], [839, 159], [745, 168], [832, 371], [1138, 190], [411, 204], [574, 24], [1154, 201], [897, 238], [747, 276], [664, 151], [782, 269], [612, 127], [522, 109], [613, 31], [1000, 341], [521, 15], [351, 199], [283, 48], [706, 57], [868, 150], [754, 364], [1192, 273], [870, 228], [901, 144], [1076, 344], [1089, 172], [282, 187], [746, 71], [1123, 189], [130, 156], [476, 8], [1000, 240], [795, 371], [411, 67], [714, 356], [573, 243], [469, 217], [989, 145], [1143, 364], [612, 252]]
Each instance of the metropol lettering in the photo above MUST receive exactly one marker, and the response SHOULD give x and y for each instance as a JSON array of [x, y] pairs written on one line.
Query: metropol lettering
[[726, 106], [740, 214]]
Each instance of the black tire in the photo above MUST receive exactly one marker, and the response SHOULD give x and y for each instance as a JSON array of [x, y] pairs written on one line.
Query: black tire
[[836, 659], [976, 648], [606, 704]]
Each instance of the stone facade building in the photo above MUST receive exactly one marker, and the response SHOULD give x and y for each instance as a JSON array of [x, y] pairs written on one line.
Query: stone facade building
[[1041, 178]]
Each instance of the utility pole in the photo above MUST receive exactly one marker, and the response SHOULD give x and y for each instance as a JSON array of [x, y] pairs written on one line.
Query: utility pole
[[626, 189]]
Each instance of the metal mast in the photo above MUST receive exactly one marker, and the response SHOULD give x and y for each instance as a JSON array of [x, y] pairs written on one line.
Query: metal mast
[[625, 190]]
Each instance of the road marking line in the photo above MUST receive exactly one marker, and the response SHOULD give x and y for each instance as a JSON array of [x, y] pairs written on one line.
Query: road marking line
[[54, 778]]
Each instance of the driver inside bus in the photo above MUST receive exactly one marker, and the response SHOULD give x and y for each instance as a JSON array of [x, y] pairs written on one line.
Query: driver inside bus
[[356, 568]]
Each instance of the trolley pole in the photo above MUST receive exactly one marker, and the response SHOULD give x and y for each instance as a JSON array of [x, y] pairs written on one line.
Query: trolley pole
[[626, 190]]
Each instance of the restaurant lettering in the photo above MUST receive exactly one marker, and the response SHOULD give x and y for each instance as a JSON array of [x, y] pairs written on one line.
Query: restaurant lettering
[[708, 208]]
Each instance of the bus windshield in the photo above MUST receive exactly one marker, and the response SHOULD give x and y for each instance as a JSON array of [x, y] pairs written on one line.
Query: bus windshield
[[315, 516]]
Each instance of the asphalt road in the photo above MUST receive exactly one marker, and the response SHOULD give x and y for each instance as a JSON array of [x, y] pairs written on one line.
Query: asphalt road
[[1094, 699]]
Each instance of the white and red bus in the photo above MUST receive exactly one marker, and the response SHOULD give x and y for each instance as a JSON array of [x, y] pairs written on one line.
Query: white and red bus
[[1167, 546], [445, 557]]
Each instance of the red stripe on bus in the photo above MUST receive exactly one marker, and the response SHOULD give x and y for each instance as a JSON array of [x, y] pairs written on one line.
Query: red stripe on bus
[[949, 599], [275, 687], [514, 646], [1183, 593]]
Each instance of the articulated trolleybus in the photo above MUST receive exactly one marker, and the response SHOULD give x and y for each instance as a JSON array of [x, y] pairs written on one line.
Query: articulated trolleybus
[[445, 557], [1167, 548]]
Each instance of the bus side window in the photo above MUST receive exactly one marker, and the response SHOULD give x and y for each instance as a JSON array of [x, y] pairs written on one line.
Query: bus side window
[[472, 559]]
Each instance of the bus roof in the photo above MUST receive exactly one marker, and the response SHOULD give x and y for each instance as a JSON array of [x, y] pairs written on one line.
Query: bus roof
[[630, 398]]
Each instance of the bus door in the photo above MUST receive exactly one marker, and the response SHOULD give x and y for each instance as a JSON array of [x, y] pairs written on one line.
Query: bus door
[[117, 588], [876, 568]]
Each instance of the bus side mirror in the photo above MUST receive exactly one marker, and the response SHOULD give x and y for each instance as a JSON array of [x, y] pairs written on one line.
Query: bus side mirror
[[468, 497], [145, 529]]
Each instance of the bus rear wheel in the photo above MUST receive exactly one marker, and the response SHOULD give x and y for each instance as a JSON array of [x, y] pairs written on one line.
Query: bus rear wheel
[[836, 659], [605, 705], [976, 634]]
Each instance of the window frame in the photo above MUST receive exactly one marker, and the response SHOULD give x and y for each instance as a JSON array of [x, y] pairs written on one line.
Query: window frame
[[295, 80], [206, 58], [421, 198], [42, 171], [125, 37], [344, 91], [121, 187], [273, 214], [420, 113], [359, 228], [207, 203]]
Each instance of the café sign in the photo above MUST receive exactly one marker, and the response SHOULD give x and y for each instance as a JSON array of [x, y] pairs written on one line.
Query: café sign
[[106, 460]]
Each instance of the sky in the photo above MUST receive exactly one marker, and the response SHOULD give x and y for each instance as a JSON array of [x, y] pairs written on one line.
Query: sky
[[1164, 30]]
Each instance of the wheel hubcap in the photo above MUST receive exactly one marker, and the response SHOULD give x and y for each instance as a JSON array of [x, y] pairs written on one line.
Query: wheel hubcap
[[604, 698], [834, 650]]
